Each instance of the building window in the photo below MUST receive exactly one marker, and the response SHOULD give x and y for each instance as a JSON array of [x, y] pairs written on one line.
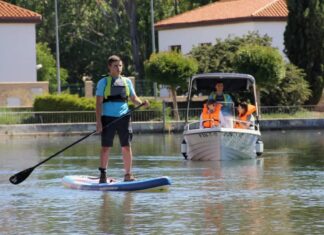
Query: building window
[[176, 48]]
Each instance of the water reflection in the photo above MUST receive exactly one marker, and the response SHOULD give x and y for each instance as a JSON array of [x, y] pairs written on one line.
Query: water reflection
[[116, 211], [293, 141], [229, 187], [221, 169]]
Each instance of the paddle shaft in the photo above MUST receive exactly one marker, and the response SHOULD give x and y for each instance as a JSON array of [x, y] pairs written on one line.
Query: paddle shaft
[[21, 176]]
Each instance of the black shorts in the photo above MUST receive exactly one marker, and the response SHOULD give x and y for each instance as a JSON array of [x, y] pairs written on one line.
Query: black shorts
[[122, 127]]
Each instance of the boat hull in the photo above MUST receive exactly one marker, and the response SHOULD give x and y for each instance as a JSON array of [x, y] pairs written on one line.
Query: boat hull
[[221, 144]]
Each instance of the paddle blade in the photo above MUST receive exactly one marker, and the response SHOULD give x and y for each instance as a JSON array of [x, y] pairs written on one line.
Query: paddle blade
[[21, 176]]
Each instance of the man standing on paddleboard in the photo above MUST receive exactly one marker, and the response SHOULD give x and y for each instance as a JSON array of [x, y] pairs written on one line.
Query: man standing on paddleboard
[[112, 95]]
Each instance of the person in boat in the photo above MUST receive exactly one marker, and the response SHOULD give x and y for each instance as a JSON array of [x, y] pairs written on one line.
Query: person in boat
[[112, 95], [226, 100], [211, 115], [219, 96], [245, 116]]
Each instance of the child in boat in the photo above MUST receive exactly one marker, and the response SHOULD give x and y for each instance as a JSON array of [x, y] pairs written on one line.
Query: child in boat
[[211, 115], [245, 117]]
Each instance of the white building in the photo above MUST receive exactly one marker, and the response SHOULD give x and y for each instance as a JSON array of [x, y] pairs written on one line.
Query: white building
[[222, 19], [18, 73]]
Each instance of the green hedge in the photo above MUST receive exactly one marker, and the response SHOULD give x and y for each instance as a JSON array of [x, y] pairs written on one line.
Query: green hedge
[[67, 102], [64, 102], [152, 113]]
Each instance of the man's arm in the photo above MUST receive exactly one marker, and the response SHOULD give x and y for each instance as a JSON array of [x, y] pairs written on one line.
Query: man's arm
[[138, 101], [133, 97], [229, 98]]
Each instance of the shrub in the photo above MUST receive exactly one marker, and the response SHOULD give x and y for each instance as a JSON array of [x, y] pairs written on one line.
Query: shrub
[[63, 102], [293, 89], [67, 102], [154, 112], [220, 56], [264, 63], [172, 69]]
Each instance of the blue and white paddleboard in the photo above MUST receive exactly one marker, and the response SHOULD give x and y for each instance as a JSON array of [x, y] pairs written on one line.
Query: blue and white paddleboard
[[84, 182]]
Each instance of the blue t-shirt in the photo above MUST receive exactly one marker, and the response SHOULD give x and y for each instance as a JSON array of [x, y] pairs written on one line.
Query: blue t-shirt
[[227, 107], [113, 109]]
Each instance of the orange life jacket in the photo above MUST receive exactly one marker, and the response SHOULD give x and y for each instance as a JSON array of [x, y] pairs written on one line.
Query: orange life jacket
[[211, 119], [251, 109]]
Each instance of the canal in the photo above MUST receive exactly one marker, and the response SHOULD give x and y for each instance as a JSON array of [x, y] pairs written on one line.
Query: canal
[[280, 193]]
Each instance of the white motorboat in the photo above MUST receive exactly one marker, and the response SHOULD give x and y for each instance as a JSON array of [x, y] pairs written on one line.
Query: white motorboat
[[223, 142]]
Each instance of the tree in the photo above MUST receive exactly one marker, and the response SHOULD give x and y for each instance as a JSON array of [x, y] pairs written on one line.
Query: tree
[[264, 63], [88, 34], [304, 42], [48, 70], [133, 32], [173, 69], [220, 56], [292, 90], [90, 31]]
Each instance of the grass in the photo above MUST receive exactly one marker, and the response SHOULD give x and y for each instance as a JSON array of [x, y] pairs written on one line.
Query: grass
[[12, 119], [296, 115]]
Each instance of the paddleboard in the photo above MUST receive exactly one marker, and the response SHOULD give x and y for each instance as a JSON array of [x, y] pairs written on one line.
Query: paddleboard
[[85, 182]]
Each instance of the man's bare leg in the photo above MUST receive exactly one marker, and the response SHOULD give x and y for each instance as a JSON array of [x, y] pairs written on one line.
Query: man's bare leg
[[128, 159], [104, 158]]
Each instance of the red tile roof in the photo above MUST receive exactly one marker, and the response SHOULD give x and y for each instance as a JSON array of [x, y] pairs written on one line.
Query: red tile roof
[[228, 11], [276, 8], [10, 13]]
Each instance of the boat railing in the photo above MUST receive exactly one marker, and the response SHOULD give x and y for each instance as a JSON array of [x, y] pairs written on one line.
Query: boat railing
[[197, 125], [250, 124], [193, 125]]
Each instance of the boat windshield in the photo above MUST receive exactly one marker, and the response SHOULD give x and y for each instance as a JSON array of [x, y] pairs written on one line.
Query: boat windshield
[[205, 87], [228, 113]]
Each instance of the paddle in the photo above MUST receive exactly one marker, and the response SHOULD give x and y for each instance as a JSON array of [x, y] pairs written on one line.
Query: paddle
[[22, 175]]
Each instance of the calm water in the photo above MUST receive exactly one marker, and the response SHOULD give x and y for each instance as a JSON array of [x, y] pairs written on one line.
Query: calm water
[[282, 193]]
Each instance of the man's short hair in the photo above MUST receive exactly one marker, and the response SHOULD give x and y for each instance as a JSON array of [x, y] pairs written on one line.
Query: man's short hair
[[112, 59], [211, 101]]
